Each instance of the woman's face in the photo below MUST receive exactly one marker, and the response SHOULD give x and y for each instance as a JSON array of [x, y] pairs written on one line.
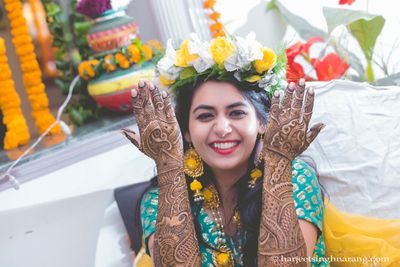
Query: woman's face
[[223, 126]]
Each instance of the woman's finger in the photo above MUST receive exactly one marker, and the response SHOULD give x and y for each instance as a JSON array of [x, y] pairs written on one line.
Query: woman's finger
[[132, 137], [314, 131], [168, 108], [287, 99], [274, 111], [158, 101], [142, 106], [308, 105], [297, 101]]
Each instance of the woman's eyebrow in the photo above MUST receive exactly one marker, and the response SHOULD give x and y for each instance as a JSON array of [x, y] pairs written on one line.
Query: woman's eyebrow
[[233, 105]]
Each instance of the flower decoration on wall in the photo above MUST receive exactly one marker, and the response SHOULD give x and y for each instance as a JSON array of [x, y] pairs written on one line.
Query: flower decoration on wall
[[216, 27], [10, 104]]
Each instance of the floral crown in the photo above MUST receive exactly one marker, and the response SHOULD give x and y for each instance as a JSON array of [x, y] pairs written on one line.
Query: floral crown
[[223, 58]]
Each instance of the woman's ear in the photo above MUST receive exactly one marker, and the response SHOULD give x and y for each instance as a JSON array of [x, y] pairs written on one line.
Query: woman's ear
[[261, 127], [187, 137]]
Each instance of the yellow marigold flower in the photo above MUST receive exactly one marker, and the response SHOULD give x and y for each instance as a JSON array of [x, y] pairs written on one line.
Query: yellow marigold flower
[[253, 78], [22, 39], [221, 48], [268, 61], [214, 16], [148, 52], [10, 140], [135, 53], [24, 49], [30, 66], [18, 22], [13, 6], [183, 57], [155, 44], [2, 46], [19, 31], [3, 59], [165, 81]]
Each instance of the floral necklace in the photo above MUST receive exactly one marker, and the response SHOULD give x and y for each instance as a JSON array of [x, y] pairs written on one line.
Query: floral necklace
[[223, 256]]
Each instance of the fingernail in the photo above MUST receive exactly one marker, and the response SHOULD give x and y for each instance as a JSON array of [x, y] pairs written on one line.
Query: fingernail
[[151, 86], [134, 93], [323, 126], [276, 94], [291, 85], [164, 94], [311, 90], [141, 84], [302, 82]]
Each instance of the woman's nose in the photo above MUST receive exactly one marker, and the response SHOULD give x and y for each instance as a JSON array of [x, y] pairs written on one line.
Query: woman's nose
[[222, 127]]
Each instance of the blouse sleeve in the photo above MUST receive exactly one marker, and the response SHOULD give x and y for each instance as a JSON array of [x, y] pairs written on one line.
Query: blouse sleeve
[[148, 214], [307, 193]]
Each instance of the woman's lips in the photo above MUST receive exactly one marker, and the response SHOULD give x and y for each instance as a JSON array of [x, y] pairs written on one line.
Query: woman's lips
[[223, 148]]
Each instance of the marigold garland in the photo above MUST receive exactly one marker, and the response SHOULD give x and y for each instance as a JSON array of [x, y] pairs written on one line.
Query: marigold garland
[[216, 27], [124, 58], [31, 73], [17, 130]]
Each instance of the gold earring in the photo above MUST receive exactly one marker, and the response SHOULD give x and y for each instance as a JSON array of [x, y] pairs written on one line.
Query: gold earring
[[193, 167], [256, 173]]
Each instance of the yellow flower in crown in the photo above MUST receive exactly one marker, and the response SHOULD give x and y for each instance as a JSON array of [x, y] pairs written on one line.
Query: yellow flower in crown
[[183, 56], [165, 81], [267, 62], [221, 48]]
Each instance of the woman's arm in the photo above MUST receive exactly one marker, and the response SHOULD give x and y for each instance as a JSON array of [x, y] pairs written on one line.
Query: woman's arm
[[175, 241], [281, 241]]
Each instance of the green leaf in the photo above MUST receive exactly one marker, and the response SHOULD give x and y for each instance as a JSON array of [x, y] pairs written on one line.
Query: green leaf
[[302, 27], [187, 72], [366, 32], [338, 16]]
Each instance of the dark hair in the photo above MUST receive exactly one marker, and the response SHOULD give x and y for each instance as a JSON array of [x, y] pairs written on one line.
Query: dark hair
[[249, 199]]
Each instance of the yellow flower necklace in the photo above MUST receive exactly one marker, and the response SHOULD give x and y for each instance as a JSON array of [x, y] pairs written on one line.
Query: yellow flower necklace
[[223, 256], [10, 104], [31, 73]]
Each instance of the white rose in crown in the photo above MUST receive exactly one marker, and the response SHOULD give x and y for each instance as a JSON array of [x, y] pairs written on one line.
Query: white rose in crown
[[246, 51]]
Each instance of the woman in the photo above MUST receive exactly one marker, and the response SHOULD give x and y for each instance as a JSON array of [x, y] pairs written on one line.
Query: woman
[[213, 205]]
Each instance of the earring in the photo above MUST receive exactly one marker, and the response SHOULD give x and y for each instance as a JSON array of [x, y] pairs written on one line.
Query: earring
[[193, 167], [256, 173]]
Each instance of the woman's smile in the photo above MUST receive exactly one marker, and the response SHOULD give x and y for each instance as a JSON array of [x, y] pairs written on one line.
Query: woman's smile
[[225, 147]]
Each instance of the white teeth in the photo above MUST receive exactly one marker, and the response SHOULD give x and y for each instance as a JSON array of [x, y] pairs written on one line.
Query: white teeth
[[224, 145]]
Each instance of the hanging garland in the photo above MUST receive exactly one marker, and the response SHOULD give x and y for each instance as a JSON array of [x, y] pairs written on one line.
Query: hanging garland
[[216, 27], [31, 73], [17, 130]]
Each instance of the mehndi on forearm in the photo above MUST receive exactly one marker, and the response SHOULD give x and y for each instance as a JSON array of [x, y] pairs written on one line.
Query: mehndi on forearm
[[175, 238], [280, 240]]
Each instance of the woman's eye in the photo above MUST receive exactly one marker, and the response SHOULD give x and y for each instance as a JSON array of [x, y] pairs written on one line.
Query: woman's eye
[[238, 113], [204, 116]]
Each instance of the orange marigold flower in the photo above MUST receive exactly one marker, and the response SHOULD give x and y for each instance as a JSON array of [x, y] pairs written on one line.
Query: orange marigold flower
[[18, 22], [19, 31], [135, 53], [215, 15], [155, 44], [216, 27], [148, 52], [25, 49], [22, 39], [209, 3], [3, 59], [218, 34]]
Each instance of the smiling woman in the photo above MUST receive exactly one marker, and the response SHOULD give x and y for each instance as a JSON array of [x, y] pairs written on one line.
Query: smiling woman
[[242, 200]]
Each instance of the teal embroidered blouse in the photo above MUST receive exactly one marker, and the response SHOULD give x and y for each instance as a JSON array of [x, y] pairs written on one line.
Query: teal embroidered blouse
[[308, 204]]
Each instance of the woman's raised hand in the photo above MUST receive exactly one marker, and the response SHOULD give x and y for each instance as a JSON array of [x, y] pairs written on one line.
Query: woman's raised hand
[[160, 136], [287, 132]]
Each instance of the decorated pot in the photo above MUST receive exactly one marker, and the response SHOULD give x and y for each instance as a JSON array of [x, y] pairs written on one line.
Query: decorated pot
[[112, 90], [112, 30]]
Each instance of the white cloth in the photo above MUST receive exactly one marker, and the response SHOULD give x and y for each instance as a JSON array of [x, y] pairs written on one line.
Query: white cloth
[[357, 155]]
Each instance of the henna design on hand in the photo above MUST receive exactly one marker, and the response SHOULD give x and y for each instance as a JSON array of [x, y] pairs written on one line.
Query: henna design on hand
[[286, 137], [175, 241]]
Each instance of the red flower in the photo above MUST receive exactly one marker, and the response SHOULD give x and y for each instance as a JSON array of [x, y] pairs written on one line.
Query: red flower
[[331, 67], [343, 2], [294, 72]]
